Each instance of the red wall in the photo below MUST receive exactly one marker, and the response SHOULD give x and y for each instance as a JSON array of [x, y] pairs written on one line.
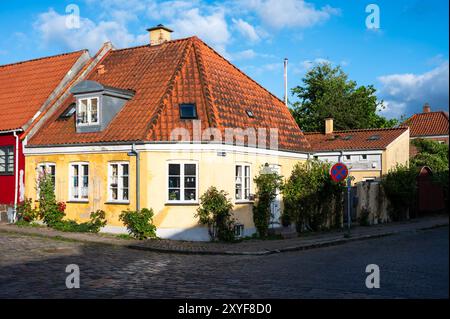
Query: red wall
[[7, 183]]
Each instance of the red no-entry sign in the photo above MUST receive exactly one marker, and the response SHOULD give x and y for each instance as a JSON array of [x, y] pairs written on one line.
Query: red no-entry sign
[[338, 172]]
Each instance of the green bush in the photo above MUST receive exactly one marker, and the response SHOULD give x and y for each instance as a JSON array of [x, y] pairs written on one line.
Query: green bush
[[400, 187], [97, 221], [215, 212], [139, 223], [309, 195], [49, 210], [267, 183], [26, 212]]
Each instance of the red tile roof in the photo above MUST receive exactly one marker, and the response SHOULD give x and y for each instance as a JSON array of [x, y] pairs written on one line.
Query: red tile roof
[[163, 76], [367, 139], [428, 124], [25, 86]]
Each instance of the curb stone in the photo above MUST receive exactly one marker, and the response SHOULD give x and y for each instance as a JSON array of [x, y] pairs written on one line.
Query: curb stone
[[262, 252]]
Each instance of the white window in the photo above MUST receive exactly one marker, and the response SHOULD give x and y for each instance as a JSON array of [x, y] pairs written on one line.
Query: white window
[[44, 169], [6, 160], [79, 181], [347, 158], [363, 157], [242, 182], [182, 182], [118, 182], [88, 110]]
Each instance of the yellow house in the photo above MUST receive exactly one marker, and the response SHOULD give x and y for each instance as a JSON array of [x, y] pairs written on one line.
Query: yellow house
[[153, 127], [368, 153]]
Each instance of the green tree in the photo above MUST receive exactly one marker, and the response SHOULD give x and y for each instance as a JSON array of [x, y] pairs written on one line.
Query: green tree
[[431, 154], [327, 92], [267, 183]]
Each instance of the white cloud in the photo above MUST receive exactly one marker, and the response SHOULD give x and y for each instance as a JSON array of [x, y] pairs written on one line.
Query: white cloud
[[244, 55], [406, 93], [246, 29], [53, 30], [210, 27], [289, 13]]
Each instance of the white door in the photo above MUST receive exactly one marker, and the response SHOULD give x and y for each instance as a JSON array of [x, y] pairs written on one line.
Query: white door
[[275, 207]]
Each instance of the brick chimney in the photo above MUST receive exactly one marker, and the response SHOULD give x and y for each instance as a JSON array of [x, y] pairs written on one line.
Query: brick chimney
[[328, 126], [426, 108], [159, 34]]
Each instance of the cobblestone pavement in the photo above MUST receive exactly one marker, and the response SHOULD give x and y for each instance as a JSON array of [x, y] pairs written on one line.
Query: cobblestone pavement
[[412, 265]]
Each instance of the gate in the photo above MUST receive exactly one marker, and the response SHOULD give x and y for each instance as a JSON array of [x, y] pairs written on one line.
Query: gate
[[430, 195]]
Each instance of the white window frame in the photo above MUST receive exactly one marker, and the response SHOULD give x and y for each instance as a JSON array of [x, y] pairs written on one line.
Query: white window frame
[[182, 188], [120, 187], [88, 110], [361, 159], [46, 166], [347, 159], [243, 179], [80, 164]]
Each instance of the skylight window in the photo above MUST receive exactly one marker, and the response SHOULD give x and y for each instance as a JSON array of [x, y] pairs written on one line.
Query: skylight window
[[348, 137], [250, 114], [69, 111], [188, 111], [374, 138]]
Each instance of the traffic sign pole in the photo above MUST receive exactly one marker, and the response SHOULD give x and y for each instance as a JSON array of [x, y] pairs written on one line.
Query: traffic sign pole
[[349, 187]]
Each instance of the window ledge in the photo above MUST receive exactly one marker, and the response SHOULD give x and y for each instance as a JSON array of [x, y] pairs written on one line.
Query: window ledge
[[78, 201], [180, 203], [117, 203]]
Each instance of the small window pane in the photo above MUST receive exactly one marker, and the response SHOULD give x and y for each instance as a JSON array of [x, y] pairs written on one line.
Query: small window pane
[[174, 194], [189, 182], [174, 169], [189, 194], [174, 182], [94, 110], [82, 116], [189, 169]]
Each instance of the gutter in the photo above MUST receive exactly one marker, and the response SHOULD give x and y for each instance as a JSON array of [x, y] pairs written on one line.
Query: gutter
[[16, 175], [135, 152]]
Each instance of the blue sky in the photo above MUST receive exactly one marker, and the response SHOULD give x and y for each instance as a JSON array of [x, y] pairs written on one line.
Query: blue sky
[[406, 59]]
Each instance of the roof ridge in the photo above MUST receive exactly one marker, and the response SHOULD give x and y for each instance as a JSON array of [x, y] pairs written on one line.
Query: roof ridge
[[213, 116], [361, 130], [42, 58], [169, 88], [154, 45]]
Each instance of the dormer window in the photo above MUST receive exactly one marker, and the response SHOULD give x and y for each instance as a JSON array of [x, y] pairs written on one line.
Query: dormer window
[[88, 111], [97, 105]]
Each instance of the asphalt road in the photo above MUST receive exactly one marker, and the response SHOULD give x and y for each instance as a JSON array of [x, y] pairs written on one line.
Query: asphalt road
[[412, 265]]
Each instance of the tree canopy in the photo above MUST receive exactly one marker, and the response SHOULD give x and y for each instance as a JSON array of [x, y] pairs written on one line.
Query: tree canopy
[[326, 92], [431, 154]]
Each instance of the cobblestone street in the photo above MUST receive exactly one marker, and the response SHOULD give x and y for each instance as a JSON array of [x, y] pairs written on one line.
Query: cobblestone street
[[412, 265]]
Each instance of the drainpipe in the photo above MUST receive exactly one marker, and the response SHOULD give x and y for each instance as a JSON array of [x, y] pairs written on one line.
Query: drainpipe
[[135, 152], [16, 175]]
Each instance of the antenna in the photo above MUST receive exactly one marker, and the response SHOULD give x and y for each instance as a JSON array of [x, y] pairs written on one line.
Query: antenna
[[285, 81]]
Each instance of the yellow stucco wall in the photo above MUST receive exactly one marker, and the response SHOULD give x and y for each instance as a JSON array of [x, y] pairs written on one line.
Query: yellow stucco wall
[[396, 153], [213, 170]]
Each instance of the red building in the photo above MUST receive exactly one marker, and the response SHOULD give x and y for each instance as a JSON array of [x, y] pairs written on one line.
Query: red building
[[428, 125], [29, 91]]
